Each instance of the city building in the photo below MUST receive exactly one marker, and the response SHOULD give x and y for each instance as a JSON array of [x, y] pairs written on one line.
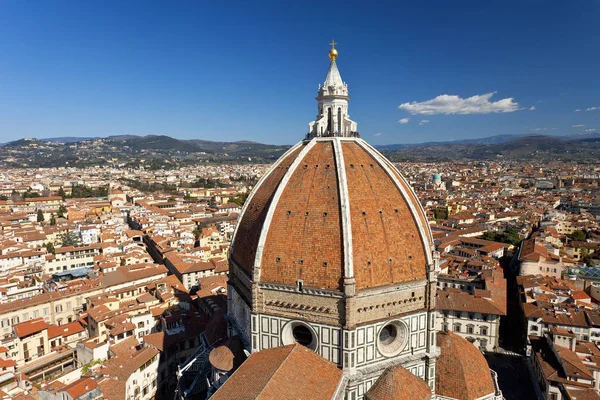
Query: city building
[[333, 252]]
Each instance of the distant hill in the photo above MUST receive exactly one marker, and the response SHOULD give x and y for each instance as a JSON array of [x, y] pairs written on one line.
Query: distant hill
[[153, 151], [67, 139], [497, 139], [161, 151], [538, 148]]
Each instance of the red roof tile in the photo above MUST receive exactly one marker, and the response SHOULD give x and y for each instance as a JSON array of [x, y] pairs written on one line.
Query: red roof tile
[[288, 372]]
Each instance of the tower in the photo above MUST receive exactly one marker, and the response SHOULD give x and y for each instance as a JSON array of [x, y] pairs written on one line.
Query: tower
[[333, 251], [332, 109]]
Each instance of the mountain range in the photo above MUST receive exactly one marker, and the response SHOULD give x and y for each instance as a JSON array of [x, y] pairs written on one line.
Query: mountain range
[[160, 151]]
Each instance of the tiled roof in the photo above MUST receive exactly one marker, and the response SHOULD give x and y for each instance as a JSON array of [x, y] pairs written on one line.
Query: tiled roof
[[80, 387], [228, 356], [397, 383], [461, 371], [290, 372], [305, 237], [30, 327]]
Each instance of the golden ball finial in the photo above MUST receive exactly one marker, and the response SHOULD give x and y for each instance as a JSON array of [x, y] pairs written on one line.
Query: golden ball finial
[[333, 52]]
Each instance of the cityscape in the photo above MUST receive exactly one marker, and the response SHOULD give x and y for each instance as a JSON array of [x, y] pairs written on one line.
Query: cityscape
[[334, 263]]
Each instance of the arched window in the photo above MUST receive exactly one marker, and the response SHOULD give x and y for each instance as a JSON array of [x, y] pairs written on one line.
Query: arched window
[[339, 129], [484, 330], [456, 327]]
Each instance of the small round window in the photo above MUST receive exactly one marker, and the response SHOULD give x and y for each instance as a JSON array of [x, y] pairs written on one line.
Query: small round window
[[301, 333], [392, 338], [388, 334]]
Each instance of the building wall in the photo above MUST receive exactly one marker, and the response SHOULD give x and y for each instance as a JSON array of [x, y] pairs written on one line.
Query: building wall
[[143, 379], [485, 328]]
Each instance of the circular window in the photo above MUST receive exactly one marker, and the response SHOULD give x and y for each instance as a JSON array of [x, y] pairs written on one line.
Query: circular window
[[392, 338], [299, 332], [388, 334], [302, 335]]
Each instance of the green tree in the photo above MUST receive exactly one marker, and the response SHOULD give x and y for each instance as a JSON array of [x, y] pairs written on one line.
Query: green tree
[[487, 235], [197, 233], [61, 193], [240, 200], [61, 211], [440, 213], [511, 236], [52, 219], [50, 248], [578, 236], [69, 239], [40, 216]]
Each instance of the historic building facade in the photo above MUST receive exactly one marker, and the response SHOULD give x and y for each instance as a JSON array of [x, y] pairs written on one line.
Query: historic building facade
[[333, 251]]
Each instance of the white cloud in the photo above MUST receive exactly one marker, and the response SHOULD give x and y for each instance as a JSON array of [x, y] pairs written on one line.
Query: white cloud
[[590, 130], [532, 108], [577, 110], [577, 126], [424, 121], [593, 108], [377, 134], [453, 104], [539, 129], [404, 121]]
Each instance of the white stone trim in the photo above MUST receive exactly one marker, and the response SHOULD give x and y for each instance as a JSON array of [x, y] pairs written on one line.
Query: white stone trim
[[269, 217], [345, 209], [424, 232], [382, 290], [294, 289], [255, 189]]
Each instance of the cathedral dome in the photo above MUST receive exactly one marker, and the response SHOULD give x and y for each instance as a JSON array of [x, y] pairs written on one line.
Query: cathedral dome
[[461, 371], [333, 210]]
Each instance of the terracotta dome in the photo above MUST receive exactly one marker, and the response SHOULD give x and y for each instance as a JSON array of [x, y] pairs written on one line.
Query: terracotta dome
[[397, 383], [461, 372], [331, 209], [228, 356]]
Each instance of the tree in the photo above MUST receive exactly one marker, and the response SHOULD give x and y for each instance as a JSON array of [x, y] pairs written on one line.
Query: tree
[[69, 239], [578, 236], [240, 200], [40, 216], [52, 219], [61, 193], [197, 233], [510, 236], [50, 248], [61, 211], [15, 196], [440, 213]]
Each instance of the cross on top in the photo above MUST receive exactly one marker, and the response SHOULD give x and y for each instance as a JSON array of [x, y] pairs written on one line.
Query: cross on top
[[332, 44]]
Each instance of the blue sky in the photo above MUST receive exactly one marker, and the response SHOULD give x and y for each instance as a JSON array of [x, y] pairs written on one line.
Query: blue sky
[[226, 70]]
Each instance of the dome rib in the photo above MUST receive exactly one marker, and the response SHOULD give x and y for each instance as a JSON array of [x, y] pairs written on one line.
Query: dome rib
[[252, 217], [273, 205], [346, 220], [337, 215]]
